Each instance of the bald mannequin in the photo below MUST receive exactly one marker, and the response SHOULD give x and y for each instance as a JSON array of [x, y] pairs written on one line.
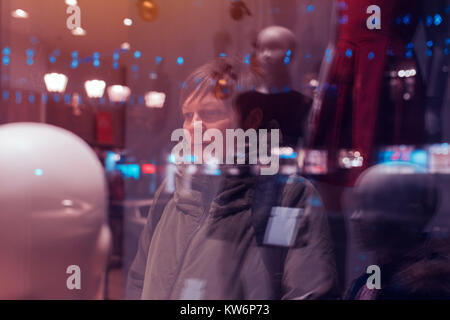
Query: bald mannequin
[[283, 108], [275, 47], [393, 205], [53, 218]]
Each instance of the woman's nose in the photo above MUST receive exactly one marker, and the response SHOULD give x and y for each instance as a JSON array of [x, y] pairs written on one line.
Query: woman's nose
[[196, 124], [196, 118]]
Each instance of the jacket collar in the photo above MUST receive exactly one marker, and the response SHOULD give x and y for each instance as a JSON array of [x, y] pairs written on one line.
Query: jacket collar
[[220, 195]]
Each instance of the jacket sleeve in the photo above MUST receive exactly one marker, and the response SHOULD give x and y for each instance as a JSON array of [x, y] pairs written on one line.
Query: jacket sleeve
[[310, 267], [136, 274]]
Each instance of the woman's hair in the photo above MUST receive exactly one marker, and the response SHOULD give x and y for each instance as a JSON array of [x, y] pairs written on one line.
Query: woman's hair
[[226, 78]]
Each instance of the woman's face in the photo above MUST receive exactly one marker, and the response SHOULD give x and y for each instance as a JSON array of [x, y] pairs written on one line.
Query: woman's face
[[208, 112]]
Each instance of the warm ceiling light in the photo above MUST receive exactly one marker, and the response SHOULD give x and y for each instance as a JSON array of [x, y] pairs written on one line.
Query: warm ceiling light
[[95, 88], [78, 31], [155, 99], [117, 93], [125, 46], [19, 13], [55, 82], [148, 10], [128, 22], [71, 2]]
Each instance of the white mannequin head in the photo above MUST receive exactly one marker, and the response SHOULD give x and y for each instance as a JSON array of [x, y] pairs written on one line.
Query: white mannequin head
[[52, 214]]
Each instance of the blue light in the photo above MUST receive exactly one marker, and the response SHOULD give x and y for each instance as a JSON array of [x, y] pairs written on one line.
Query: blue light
[[343, 20], [287, 60], [429, 21], [75, 54], [315, 201], [116, 56], [288, 156], [30, 53], [180, 61], [5, 95], [409, 54], [223, 55], [18, 97], [430, 43], [135, 68], [96, 55], [129, 170], [137, 54], [188, 158], [110, 161], [273, 90], [247, 58], [96, 63], [6, 60], [289, 53], [310, 8], [30, 61], [44, 98], [171, 158], [308, 56], [141, 100], [31, 98], [52, 59], [102, 100], [67, 98], [410, 45], [34, 40], [429, 53], [349, 53], [74, 64], [38, 172], [407, 19], [214, 172], [56, 97], [158, 59], [57, 52], [116, 65], [371, 55], [437, 20], [7, 51], [419, 157]]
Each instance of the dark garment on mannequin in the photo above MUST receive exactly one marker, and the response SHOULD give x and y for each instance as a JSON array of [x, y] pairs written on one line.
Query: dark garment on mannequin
[[363, 107], [289, 110]]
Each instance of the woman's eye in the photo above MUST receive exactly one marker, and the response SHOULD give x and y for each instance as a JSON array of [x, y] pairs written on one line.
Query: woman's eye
[[187, 115], [210, 114]]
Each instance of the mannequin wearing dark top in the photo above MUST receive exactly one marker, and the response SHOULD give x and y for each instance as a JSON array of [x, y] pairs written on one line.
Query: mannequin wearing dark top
[[283, 107]]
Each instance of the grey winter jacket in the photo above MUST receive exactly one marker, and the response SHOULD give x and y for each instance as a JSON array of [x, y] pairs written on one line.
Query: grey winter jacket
[[214, 240]]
